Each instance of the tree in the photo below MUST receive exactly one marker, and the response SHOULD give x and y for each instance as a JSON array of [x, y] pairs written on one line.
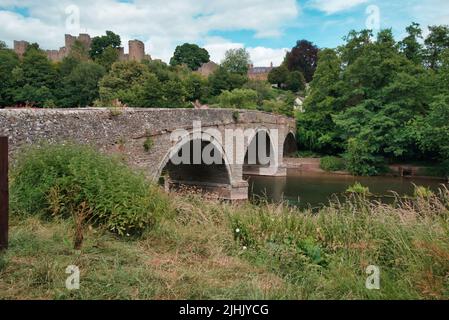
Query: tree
[[196, 87], [222, 80], [278, 76], [442, 78], [174, 94], [236, 61], [152, 95], [239, 99], [410, 45], [80, 87], [295, 81], [360, 160], [433, 129], [355, 44], [79, 51], [263, 89], [436, 42], [159, 68], [191, 55], [35, 79], [3, 45], [108, 57], [99, 44], [8, 62], [303, 58], [122, 81], [316, 127]]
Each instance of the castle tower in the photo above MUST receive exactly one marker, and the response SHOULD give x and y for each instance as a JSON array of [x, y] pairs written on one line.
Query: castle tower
[[85, 39], [20, 47], [69, 42], [136, 50]]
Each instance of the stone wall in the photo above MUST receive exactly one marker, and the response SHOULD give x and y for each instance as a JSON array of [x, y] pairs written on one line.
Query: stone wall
[[124, 133]]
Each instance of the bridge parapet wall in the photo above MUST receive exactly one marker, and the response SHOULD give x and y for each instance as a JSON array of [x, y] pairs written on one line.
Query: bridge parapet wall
[[125, 131]]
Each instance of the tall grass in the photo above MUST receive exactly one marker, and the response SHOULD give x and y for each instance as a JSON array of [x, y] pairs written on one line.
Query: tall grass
[[202, 249], [325, 255], [67, 180]]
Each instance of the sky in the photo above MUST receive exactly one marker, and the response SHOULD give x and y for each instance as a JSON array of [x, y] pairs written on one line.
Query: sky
[[266, 28]]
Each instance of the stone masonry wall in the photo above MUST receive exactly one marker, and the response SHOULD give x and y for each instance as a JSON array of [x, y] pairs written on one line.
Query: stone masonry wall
[[125, 132]]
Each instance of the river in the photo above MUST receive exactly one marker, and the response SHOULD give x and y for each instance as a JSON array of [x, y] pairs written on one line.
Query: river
[[316, 189]]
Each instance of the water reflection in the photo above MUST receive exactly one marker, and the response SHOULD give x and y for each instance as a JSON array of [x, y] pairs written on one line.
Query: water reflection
[[316, 189]]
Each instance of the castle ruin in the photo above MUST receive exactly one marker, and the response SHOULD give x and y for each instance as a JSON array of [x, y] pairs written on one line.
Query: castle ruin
[[136, 49]]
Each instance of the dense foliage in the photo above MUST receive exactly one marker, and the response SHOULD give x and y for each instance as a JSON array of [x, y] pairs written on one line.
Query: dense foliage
[[191, 55], [97, 77], [303, 58], [331, 163], [67, 180], [375, 99]]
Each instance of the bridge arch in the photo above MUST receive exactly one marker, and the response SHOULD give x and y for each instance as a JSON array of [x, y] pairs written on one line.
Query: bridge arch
[[290, 145], [252, 164], [213, 177]]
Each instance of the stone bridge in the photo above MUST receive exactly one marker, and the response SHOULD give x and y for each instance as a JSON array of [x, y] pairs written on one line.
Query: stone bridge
[[144, 139]]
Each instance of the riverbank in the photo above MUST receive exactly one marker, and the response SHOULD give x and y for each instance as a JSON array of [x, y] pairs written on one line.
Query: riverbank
[[299, 165], [208, 250], [71, 206]]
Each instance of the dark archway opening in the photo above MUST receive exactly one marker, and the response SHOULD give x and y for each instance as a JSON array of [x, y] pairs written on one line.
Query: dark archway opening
[[260, 153], [290, 145], [195, 170]]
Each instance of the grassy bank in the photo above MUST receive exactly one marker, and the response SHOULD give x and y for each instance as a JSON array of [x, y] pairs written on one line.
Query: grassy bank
[[210, 251], [186, 247]]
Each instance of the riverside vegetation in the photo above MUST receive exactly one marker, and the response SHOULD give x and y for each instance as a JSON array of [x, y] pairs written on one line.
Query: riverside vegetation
[[134, 241], [373, 101]]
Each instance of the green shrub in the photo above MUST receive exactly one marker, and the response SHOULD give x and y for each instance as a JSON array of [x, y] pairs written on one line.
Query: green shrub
[[441, 170], [236, 116], [361, 160], [359, 189], [238, 98], [148, 144], [332, 164], [65, 180]]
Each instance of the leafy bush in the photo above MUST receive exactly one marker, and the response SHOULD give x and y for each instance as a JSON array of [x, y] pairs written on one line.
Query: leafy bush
[[238, 98], [360, 159], [359, 189], [64, 180], [148, 144], [441, 170], [332, 164]]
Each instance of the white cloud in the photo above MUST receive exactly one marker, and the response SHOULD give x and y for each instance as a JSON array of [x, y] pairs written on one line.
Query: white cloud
[[260, 56], [161, 24], [263, 57], [334, 6]]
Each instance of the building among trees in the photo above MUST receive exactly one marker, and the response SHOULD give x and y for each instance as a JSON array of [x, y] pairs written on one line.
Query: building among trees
[[259, 73]]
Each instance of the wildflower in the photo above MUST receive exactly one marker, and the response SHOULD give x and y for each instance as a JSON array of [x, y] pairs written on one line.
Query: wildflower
[[237, 230]]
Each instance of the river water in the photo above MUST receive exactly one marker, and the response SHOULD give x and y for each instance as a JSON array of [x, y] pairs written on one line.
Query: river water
[[316, 189]]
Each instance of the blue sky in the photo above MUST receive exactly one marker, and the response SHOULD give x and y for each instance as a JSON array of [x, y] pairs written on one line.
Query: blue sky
[[266, 28]]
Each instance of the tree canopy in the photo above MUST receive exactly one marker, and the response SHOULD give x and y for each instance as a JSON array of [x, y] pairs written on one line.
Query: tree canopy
[[99, 44], [191, 55], [236, 61], [374, 99], [303, 58]]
